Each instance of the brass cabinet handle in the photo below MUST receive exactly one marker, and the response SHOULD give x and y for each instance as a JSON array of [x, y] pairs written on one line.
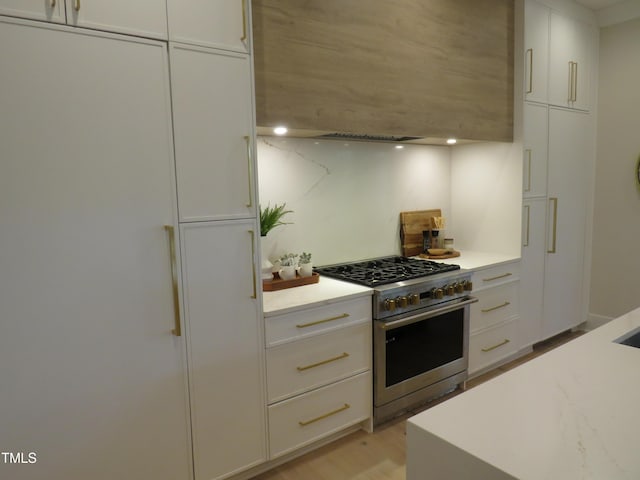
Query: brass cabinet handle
[[505, 304], [346, 406], [177, 331], [488, 349], [555, 224], [528, 187], [323, 362], [575, 81], [247, 139], [490, 279], [244, 21], [528, 224], [253, 263], [53, 4], [76, 5], [570, 81], [530, 54], [318, 322]]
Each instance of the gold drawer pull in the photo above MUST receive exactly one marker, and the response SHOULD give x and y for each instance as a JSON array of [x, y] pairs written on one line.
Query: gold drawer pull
[[177, 331], [322, 417], [485, 310], [508, 274], [506, 340], [318, 322], [323, 362], [244, 22]]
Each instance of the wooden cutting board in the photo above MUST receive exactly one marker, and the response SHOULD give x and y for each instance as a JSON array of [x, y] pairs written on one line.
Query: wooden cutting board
[[412, 224]]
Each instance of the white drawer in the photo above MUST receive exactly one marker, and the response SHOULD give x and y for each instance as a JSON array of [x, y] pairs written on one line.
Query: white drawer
[[295, 367], [305, 323], [304, 419], [495, 305], [491, 346], [490, 277]]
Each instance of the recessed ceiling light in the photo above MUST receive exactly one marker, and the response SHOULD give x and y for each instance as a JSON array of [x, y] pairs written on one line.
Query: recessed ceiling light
[[280, 130], [452, 141], [399, 147]]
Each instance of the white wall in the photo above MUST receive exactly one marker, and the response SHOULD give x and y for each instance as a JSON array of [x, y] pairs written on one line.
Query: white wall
[[615, 258], [347, 196]]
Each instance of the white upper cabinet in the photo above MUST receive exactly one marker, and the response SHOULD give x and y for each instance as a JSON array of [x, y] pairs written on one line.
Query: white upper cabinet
[[48, 10], [147, 18], [534, 179], [213, 131], [569, 62], [536, 44], [223, 24]]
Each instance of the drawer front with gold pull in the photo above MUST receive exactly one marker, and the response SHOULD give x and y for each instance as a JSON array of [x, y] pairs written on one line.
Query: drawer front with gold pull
[[306, 418], [491, 346], [495, 305], [294, 368]]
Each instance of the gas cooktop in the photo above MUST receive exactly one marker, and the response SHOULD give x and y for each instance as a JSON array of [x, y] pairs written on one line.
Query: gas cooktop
[[385, 270]]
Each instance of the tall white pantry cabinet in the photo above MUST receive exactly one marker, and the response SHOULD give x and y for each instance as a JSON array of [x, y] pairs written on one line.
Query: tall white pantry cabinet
[[559, 157], [130, 332]]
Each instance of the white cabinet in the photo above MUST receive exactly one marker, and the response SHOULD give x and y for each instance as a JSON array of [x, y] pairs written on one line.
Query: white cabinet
[[226, 356], [536, 44], [570, 62], [50, 11], [494, 317], [318, 371], [535, 143], [146, 18], [213, 125], [570, 161], [93, 379], [532, 271], [223, 24]]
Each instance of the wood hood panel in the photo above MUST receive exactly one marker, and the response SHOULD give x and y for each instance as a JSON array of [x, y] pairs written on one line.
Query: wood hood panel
[[424, 68]]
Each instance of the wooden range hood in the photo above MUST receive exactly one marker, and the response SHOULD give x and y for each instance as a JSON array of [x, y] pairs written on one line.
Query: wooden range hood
[[427, 69]]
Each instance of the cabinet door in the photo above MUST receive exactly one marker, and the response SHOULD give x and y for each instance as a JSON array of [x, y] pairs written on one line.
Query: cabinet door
[[569, 62], [570, 158], [532, 273], [93, 380], [146, 18], [47, 10], [536, 44], [213, 127], [223, 24], [535, 141], [226, 365]]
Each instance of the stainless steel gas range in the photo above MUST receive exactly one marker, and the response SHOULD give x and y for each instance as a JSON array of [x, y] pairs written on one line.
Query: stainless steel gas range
[[420, 328]]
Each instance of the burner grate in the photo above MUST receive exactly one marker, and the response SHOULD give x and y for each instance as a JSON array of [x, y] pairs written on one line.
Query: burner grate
[[385, 270]]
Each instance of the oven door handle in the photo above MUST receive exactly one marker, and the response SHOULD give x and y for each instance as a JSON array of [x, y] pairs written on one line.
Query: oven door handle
[[425, 315]]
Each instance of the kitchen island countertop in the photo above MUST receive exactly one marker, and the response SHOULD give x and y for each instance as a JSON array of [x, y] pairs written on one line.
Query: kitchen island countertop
[[327, 290], [572, 413]]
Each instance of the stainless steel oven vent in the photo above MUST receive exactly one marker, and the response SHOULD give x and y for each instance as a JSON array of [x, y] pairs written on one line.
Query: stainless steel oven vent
[[367, 138]]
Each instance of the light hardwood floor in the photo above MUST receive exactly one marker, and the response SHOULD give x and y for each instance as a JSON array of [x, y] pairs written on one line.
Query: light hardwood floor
[[381, 455]]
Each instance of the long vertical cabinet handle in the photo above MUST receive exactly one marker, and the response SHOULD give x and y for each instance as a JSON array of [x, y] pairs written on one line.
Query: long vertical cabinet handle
[[247, 139], [76, 5], [575, 82], [253, 263], [527, 217], [243, 38], [570, 86], [527, 186], [53, 4], [530, 55], [177, 331], [554, 226]]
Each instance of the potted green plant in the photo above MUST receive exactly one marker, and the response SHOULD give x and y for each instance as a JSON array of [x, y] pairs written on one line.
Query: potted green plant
[[271, 217], [306, 267], [288, 264]]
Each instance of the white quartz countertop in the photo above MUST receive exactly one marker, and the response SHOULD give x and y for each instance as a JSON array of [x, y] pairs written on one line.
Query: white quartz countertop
[[572, 413], [473, 260], [327, 290]]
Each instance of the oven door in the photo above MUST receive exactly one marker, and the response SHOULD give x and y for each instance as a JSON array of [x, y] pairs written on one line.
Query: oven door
[[419, 350]]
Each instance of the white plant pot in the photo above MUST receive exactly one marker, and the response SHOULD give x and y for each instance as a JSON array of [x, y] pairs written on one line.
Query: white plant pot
[[288, 272], [266, 267], [306, 270]]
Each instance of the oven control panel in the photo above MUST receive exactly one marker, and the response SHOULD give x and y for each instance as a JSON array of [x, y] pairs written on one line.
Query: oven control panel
[[414, 297]]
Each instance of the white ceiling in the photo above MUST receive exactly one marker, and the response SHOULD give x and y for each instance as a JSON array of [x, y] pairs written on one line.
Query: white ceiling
[[598, 4]]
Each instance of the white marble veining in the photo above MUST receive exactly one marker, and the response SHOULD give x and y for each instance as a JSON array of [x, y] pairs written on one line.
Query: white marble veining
[[327, 290], [573, 413]]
